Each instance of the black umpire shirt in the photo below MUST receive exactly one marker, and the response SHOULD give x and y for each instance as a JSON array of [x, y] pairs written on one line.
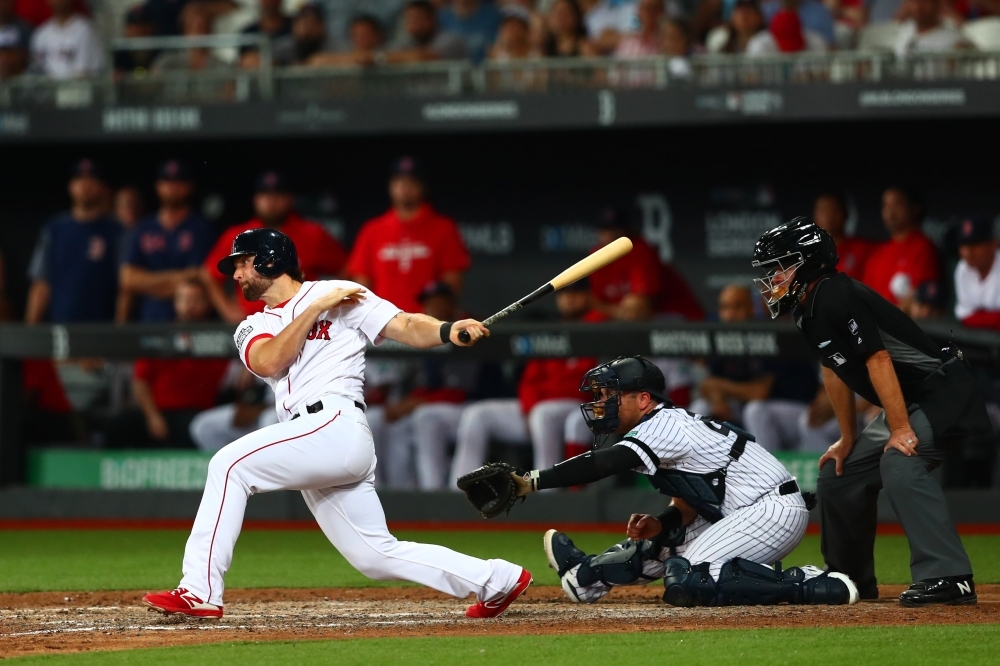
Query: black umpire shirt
[[846, 322]]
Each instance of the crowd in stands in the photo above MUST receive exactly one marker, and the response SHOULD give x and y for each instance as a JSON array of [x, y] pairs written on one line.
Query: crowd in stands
[[106, 260], [58, 38]]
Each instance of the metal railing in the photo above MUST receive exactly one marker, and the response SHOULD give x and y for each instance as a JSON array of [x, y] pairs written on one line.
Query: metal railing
[[461, 78]]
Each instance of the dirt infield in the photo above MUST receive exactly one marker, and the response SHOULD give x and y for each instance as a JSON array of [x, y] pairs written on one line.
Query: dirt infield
[[54, 622]]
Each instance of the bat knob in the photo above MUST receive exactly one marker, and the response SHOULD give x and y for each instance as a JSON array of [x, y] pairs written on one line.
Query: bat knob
[[464, 336]]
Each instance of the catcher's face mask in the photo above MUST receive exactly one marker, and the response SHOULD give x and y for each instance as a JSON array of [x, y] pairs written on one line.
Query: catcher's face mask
[[778, 286], [601, 414]]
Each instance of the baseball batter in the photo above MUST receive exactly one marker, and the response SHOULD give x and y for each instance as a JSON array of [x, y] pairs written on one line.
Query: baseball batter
[[309, 345], [736, 509]]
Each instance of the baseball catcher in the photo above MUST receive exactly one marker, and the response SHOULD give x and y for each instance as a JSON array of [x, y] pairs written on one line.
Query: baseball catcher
[[735, 510]]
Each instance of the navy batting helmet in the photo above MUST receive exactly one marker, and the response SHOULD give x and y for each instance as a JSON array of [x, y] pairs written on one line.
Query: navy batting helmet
[[619, 376], [274, 253]]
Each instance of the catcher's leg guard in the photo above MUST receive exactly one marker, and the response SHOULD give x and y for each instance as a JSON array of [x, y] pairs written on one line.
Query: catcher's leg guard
[[622, 564], [686, 585], [745, 583]]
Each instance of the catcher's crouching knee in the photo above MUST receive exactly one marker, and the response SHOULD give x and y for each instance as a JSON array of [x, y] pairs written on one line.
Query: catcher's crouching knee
[[686, 585]]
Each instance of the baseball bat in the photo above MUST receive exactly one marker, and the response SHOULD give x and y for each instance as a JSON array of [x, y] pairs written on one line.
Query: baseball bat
[[611, 252]]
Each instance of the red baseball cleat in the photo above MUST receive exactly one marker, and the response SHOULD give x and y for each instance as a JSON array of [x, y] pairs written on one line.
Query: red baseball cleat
[[181, 601], [485, 609]]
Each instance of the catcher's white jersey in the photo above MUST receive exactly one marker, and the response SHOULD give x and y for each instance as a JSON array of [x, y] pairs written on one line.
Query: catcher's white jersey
[[332, 360], [676, 439]]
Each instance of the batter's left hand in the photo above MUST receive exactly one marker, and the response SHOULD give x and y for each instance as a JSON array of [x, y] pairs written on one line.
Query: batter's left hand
[[904, 440], [475, 329]]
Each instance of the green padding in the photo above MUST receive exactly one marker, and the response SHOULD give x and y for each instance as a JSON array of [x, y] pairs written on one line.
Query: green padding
[[165, 469]]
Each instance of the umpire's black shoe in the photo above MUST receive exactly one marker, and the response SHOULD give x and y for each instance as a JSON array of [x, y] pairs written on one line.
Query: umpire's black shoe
[[950, 590], [562, 554]]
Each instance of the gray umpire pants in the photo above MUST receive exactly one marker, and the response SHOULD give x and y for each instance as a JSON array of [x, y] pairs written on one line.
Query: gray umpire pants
[[848, 507]]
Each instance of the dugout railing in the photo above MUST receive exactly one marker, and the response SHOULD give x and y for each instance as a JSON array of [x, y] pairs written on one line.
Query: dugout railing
[[507, 341]]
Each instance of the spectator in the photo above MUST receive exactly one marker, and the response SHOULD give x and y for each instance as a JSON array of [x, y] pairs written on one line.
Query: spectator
[[74, 268], [37, 12], [608, 20], [135, 63], [977, 276], [15, 42], [438, 388], [675, 43], [852, 14], [271, 22], [169, 393], [320, 256], [638, 285], [399, 252], [566, 35], [745, 22], [129, 206], [785, 35], [925, 32], [514, 37], [928, 301], [167, 247], [766, 395], [308, 38], [536, 22], [168, 15], [830, 214], [422, 40], [645, 41], [196, 24], [66, 46], [895, 268], [5, 314], [252, 410], [548, 400], [815, 17], [365, 35], [477, 22]]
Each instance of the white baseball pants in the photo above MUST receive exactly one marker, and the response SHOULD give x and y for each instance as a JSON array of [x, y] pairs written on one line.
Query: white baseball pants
[[435, 426], [393, 448], [502, 420], [330, 457], [775, 423], [213, 428]]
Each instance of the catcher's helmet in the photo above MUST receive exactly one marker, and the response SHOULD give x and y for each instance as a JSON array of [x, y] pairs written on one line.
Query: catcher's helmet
[[792, 255], [619, 376], [274, 252]]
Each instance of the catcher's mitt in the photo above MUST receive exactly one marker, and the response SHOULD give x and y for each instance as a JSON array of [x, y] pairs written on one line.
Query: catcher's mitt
[[490, 488]]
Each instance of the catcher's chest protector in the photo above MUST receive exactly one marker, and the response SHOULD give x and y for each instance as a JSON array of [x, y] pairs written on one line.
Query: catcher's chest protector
[[703, 492]]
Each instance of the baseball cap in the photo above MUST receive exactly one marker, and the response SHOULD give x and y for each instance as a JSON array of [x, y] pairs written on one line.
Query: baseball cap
[[407, 166], [930, 293], [786, 28], [315, 8], [583, 284], [138, 15], [87, 168], [272, 181], [432, 289], [973, 230], [515, 12], [174, 170]]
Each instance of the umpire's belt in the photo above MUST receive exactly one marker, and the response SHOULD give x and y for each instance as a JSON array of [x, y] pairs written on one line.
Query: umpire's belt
[[318, 406]]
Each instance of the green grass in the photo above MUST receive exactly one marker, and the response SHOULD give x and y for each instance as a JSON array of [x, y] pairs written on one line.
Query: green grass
[[968, 645], [151, 559]]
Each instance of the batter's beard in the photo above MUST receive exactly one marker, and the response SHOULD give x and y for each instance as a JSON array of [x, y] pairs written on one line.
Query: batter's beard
[[254, 288]]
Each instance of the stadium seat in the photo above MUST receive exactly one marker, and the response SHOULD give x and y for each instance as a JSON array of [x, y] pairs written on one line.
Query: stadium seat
[[878, 37], [984, 33]]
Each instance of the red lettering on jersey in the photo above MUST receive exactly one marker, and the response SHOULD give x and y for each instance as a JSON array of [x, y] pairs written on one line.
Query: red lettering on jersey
[[312, 333], [151, 243], [324, 329]]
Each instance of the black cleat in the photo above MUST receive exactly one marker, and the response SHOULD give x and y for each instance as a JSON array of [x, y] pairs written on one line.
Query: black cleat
[[950, 590], [562, 554]]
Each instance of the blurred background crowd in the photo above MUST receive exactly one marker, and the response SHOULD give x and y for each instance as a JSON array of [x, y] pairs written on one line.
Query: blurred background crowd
[[69, 38], [113, 257]]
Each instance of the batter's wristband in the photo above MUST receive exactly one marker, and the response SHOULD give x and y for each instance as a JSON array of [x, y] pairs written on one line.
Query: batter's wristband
[[446, 332]]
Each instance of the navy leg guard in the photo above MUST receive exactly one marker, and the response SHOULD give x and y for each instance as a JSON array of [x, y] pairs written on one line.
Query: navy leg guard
[[745, 583], [619, 565], [686, 585]]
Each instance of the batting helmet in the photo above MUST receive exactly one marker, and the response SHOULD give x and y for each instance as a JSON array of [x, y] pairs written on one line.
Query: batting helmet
[[619, 376], [274, 253], [792, 255]]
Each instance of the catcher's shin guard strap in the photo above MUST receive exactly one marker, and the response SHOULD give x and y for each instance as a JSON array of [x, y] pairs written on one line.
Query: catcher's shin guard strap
[[745, 583], [622, 564], [686, 585]]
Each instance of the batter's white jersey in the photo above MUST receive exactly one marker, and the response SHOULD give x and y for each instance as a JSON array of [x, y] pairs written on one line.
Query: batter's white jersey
[[332, 360], [676, 439], [973, 293]]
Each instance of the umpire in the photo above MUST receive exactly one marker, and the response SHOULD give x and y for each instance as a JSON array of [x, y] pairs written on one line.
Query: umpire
[[929, 403]]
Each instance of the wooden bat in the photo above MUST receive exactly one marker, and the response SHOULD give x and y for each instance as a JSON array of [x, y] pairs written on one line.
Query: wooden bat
[[611, 252]]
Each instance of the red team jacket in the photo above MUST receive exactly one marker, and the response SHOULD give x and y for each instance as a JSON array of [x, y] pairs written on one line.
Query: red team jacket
[[320, 255], [186, 383], [915, 256], [398, 258]]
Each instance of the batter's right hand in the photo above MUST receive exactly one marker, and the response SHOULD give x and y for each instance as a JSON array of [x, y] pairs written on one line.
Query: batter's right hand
[[338, 297], [837, 452], [643, 526]]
